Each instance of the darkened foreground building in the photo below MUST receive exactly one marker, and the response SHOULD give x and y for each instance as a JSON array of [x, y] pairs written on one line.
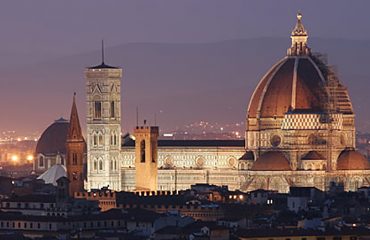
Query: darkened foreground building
[[202, 212]]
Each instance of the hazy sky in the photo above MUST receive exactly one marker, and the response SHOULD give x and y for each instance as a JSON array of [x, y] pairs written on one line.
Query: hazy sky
[[40, 31], [43, 28]]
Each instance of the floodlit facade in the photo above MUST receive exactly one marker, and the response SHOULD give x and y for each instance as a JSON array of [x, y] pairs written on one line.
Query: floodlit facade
[[300, 131]]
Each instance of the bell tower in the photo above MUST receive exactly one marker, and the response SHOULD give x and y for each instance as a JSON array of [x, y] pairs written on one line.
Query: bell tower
[[146, 158], [75, 152], [103, 93]]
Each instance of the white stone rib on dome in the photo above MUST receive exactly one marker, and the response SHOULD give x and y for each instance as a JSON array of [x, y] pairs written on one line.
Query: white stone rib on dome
[[53, 174]]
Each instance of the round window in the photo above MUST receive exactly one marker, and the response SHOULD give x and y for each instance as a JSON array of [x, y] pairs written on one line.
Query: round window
[[275, 140]]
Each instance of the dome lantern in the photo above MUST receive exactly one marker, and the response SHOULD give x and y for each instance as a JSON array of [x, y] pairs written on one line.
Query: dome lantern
[[299, 38]]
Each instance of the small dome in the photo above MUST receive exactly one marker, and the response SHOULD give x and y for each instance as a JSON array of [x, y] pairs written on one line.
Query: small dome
[[313, 155], [272, 161], [53, 139], [352, 160], [248, 155], [53, 174]]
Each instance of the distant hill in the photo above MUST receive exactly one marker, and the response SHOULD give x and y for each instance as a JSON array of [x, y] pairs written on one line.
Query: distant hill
[[180, 83]]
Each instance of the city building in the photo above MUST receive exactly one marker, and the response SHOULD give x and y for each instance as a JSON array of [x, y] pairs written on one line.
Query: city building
[[300, 128], [300, 131]]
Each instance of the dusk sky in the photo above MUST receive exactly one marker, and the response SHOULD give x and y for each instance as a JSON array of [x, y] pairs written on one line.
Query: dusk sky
[[38, 33]]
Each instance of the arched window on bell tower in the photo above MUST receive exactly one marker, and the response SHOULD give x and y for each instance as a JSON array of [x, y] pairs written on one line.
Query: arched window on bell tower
[[100, 165], [142, 151], [112, 110], [97, 110]]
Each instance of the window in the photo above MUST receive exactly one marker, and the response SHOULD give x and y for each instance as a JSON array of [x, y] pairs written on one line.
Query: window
[[113, 139], [95, 165], [153, 153], [100, 165], [95, 141], [142, 151], [97, 110], [41, 161], [74, 158], [100, 140], [112, 111]]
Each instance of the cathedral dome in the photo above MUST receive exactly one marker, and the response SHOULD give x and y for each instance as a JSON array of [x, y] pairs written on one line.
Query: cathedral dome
[[53, 139], [297, 83], [271, 161], [352, 160]]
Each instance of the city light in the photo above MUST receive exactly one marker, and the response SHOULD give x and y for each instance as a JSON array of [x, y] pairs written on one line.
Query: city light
[[29, 157], [14, 158]]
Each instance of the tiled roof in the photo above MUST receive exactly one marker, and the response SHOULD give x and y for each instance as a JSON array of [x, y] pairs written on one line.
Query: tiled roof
[[192, 143], [42, 198], [53, 139], [313, 155], [273, 96], [271, 161], [103, 66], [352, 160]]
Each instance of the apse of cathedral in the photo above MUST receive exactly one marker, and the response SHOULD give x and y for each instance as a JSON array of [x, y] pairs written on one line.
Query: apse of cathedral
[[300, 131]]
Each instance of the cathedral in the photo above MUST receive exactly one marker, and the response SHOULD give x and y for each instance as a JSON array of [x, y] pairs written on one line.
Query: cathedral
[[300, 131]]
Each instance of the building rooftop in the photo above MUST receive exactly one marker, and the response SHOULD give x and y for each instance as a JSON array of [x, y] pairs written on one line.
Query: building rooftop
[[191, 143]]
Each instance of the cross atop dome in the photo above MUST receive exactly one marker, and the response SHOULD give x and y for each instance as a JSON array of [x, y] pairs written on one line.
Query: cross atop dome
[[299, 38]]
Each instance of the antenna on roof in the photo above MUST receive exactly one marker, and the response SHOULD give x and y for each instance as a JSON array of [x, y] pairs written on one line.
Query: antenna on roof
[[137, 115], [102, 51]]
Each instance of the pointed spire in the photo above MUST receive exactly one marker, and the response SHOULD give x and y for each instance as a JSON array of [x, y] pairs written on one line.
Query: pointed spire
[[299, 38], [102, 52], [102, 65], [74, 131]]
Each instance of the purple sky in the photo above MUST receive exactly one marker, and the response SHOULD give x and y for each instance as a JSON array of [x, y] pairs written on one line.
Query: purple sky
[[35, 32]]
